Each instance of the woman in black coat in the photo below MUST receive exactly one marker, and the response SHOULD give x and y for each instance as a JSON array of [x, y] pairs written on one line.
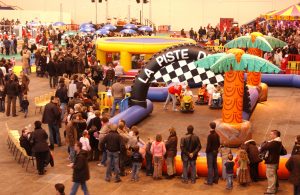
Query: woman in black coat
[[40, 146], [171, 147]]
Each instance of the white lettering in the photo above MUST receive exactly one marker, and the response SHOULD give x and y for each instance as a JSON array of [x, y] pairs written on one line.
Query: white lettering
[[170, 57], [148, 72], [185, 54], [177, 54], [201, 55], [143, 81], [159, 60]]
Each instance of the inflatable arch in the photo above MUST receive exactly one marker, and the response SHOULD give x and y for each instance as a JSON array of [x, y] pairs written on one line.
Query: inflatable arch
[[187, 52]]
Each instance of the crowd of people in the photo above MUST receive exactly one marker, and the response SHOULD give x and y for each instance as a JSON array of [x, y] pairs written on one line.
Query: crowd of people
[[75, 73]]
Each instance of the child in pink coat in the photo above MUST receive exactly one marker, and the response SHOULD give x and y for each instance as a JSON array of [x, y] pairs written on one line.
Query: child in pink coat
[[158, 150]]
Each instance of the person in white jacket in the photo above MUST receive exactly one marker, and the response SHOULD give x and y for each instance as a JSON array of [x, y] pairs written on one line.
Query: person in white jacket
[[85, 141], [72, 89]]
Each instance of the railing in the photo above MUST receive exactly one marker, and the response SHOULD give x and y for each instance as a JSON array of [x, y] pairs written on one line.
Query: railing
[[149, 22]]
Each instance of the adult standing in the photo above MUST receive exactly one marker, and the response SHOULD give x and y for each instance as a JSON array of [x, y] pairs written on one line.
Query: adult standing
[[52, 72], [212, 147], [118, 93], [71, 139], [293, 165], [113, 144], [253, 155], [81, 172], [51, 116], [297, 145], [6, 43], [190, 145], [25, 60], [62, 94], [11, 89], [171, 147], [40, 146], [172, 92], [273, 150]]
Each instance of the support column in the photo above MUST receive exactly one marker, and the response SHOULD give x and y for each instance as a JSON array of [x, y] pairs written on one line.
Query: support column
[[101, 55], [125, 60]]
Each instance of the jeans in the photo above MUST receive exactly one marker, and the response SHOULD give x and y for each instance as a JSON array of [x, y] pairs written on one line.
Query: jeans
[[117, 101], [72, 154], [2, 105], [54, 128], [174, 100], [157, 166], [213, 175], [189, 164], [112, 161], [62, 107], [53, 80], [170, 166], [104, 158], [135, 170], [271, 173], [149, 165], [26, 112], [11, 101], [229, 181], [76, 186], [224, 174]]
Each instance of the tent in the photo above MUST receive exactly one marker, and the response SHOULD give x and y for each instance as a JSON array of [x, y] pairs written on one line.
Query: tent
[[290, 13]]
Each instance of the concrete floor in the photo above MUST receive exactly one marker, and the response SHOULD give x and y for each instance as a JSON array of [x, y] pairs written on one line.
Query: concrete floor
[[279, 112]]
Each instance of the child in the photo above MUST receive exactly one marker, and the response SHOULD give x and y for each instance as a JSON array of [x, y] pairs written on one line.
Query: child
[[229, 172], [137, 160], [224, 151], [243, 174], [158, 150], [24, 105], [85, 141], [2, 99], [149, 157]]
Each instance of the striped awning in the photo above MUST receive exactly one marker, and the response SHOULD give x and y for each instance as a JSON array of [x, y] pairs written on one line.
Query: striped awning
[[290, 13]]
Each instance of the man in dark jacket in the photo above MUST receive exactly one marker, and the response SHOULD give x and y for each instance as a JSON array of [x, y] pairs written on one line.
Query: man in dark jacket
[[296, 147], [273, 148], [113, 144], [253, 154], [81, 171], [62, 94], [190, 146], [11, 89], [40, 146], [52, 71], [51, 116], [293, 165], [212, 147]]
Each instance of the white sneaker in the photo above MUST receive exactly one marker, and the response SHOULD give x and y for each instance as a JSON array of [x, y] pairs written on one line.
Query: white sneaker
[[100, 165], [175, 110]]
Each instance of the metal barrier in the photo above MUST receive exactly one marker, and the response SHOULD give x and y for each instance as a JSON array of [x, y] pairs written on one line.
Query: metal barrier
[[293, 67], [106, 101], [216, 48]]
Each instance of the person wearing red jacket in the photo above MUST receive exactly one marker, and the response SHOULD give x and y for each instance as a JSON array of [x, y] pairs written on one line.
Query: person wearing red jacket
[[172, 91]]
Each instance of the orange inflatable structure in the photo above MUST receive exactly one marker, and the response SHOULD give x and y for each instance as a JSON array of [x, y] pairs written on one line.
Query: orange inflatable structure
[[201, 166]]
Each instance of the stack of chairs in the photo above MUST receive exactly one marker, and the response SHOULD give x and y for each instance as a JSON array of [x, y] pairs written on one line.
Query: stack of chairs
[[17, 151], [42, 100]]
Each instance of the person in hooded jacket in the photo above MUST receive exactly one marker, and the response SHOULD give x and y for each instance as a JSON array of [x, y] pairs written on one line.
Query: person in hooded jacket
[[253, 155], [81, 172], [297, 145]]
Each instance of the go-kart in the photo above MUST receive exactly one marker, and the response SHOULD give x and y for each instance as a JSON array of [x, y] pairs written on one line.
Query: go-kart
[[187, 104], [202, 97], [216, 101]]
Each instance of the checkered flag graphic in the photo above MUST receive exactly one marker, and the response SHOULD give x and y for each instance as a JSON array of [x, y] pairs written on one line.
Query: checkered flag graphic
[[186, 71]]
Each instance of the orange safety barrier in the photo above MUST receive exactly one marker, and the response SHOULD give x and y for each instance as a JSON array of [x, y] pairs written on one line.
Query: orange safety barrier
[[293, 67]]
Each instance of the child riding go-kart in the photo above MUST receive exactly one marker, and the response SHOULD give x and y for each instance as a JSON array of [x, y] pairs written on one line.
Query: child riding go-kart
[[202, 96], [217, 100], [187, 103]]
